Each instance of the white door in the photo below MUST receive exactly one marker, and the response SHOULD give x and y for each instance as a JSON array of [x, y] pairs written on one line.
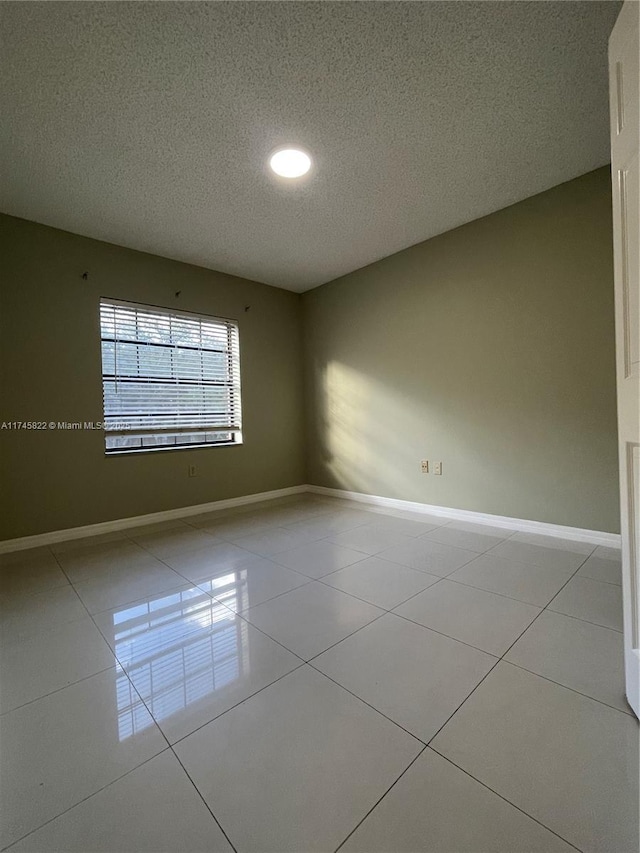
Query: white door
[[624, 90]]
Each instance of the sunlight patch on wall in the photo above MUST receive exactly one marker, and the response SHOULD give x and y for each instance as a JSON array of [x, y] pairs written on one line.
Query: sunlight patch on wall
[[360, 433]]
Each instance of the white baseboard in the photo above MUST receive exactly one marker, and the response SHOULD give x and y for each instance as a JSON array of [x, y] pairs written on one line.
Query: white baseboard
[[138, 520], [577, 534]]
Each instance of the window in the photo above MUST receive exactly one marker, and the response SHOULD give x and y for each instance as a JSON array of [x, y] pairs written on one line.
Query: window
[[169, 379]]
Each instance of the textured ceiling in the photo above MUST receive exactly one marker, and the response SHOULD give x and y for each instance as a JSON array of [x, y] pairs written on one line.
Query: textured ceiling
[[149, 124]]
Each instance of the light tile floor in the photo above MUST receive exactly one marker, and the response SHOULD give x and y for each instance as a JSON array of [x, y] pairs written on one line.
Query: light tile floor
[[309, 675]]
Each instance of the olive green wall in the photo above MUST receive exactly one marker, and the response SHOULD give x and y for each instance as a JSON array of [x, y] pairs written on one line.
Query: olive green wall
[[50, 357], [489, 348]]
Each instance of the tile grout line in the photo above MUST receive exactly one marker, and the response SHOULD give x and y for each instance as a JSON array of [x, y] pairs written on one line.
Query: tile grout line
[[475, 555], [162, 592], [364, 701], [241, 702], [286, 592], [309, 662], [502, 594], [432, 586], [580, 619], [302, 663], [118, 663], [392, 612], [84, 799], [377, 803], [59, 689], [371, 603], [380, 555], [239, 614], [319, 580], [115, 666], [365, 556], [124, 537], [470, 645], [337, 643], [332, 572], [85, 677], [155, 722], [251, 606], [501, 658], [596, 580], [599, 580], [573, 690], [377, 555], [213, 599], [559, 538], [428, 745], [169, 746], [206, 804], [448, 636], [502, 797]]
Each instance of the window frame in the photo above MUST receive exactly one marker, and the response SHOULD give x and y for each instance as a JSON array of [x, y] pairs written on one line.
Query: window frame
[[233, 354]]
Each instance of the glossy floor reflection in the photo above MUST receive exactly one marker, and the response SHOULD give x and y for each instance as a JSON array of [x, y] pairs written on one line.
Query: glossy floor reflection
[[189, 656], [306, 674], [180, 648]]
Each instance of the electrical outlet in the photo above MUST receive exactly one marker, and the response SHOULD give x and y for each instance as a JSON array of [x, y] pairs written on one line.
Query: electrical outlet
[[192, 470], [424, 466], [437, 467]]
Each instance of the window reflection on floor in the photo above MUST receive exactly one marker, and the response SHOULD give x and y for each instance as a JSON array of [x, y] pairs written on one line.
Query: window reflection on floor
[[179, 647]]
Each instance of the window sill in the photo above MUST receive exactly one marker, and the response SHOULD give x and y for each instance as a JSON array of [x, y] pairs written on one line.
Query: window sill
[[137, 451]]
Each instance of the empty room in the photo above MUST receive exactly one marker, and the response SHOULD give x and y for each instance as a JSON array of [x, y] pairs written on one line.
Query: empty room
[[320, 426]]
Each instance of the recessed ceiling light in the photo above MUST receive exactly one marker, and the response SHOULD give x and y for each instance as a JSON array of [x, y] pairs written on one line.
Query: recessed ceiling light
[[290, 163]]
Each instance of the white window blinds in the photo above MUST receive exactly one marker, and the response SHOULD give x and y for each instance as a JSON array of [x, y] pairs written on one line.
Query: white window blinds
[[169, 379]]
